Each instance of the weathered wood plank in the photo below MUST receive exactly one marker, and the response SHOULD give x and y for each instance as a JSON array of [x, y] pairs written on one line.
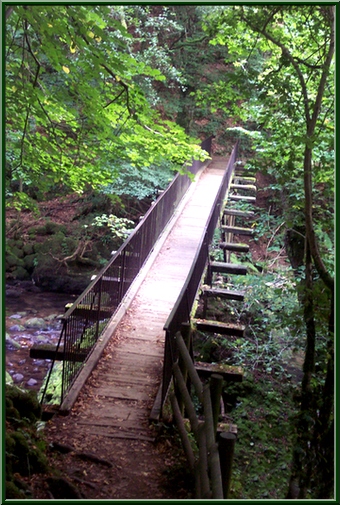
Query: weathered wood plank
[[228, 268], [244, 178], [49, 351], [226, 427], [124, 393], [237, 230], [239, 213], [131, 433], [243, 186], [238, 198], [224, 293], [229, 373], [236, 330], [234, 246]]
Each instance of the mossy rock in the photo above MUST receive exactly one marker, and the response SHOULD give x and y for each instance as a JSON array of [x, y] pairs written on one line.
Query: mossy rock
[[10, 243], [13, 261], [48, 278], [16, 487], [21, 274], [28, 249], [13, 492], [54, 245], [50, 228], [32, 232], [11, 411], [27, 458], [25, 402], [16, 251], [30, 261], [19, 244]]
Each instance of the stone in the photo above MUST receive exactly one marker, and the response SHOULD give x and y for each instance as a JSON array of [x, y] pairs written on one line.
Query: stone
[[17, 377], [11, 342], [31, 382], [17, 327], [15, 316], [42, 337], [36, 322]]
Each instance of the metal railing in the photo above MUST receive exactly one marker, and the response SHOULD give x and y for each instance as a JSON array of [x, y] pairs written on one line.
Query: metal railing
[[182, 309], [87, 318]]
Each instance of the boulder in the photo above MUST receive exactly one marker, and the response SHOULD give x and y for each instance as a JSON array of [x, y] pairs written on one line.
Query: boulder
[[36, 322]]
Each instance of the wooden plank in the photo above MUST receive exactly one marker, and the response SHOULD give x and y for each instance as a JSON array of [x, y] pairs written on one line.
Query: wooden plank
[[120, 434], [236, 330], [228, 268], [243, 186], [229, 373], [131, 434], [237, 230], [49, 351], [238, 198], [226, 427], [239, 213], [224, 293], [124, 393], [244, 178], [234, 246]]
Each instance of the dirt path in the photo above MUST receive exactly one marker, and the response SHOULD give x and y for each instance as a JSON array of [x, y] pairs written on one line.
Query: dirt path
[[111, 416]]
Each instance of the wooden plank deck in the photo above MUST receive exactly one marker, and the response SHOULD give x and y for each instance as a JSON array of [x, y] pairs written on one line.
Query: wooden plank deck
[[124, 384]]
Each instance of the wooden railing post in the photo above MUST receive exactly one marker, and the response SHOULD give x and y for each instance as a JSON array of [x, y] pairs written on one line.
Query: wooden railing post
[[196, 381], [182, 431], [216, 383], [226, 445], [186, 334], [212, 447]]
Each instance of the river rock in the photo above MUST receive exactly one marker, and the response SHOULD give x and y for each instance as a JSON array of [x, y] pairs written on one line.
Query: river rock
[[17, 327], [41, 338], [12, 342], [31, 382], [17, 377], [36, 322], [15, 316], [51, 317]]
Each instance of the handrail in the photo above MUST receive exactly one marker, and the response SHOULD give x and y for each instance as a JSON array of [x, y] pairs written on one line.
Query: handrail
[[182, 309], [87, 318]]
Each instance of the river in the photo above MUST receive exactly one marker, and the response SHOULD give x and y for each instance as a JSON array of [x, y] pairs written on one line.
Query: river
[[24, 303]]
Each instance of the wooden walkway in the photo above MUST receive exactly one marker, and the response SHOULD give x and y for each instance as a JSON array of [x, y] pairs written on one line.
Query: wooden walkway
[[126, 379]]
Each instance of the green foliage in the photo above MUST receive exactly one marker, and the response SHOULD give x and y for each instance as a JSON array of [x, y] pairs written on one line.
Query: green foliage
[[119, 226], [141, 182], [54, 385], [74, 101], [263, 409], [20, 201], [25, 448], [279, 59]]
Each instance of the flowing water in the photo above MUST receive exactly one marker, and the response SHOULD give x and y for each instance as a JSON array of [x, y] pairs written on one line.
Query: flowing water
[[22, 331]]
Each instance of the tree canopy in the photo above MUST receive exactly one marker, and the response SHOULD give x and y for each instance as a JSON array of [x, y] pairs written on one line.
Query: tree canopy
[[76, 104]]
